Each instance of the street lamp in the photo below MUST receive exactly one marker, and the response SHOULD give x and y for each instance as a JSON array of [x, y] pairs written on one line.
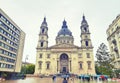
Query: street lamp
[[26, 58]]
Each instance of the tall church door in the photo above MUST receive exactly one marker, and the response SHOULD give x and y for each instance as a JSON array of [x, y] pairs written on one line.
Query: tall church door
[[64, 67]]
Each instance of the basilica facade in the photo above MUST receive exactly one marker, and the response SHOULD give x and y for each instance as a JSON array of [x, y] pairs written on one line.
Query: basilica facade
[[64, 56]]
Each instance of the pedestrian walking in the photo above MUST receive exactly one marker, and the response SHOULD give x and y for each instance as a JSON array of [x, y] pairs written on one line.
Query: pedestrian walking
[[54, 79], [65, 81]]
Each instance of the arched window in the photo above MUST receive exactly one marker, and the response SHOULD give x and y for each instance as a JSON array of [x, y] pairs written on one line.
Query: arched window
[[43, 30], [86, 43], [85, 29], [41, 44], [86, 36], [40, 64], [48, 55], [81, 65], [89, 64], [40, 56], [47, 65], [88, 55]]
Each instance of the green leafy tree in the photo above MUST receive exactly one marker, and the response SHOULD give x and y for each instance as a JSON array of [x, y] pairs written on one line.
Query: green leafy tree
[[23, 70], [28, 69], [104, 60], [117, 72]]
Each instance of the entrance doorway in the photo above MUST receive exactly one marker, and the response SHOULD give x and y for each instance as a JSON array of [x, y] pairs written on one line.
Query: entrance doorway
[[64, 67]]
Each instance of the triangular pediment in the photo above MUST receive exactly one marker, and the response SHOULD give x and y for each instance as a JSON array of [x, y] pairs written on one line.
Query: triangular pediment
[[64, 46]]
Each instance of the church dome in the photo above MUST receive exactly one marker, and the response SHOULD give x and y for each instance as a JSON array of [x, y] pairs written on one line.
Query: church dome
[[64, 30]]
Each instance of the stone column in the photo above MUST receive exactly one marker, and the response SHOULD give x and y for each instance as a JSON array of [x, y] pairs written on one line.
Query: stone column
[[69, 65], [57, 65]]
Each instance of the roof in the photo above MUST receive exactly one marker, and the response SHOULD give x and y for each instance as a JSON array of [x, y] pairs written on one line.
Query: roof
[[64, 30]]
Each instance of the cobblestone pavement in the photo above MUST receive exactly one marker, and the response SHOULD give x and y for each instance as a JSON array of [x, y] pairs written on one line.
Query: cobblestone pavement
[[49, 80]]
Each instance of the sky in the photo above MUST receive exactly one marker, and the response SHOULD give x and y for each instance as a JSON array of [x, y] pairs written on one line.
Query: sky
[[29, 14]]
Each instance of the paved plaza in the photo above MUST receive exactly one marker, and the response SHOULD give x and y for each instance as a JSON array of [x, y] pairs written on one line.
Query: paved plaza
[[49, 80]]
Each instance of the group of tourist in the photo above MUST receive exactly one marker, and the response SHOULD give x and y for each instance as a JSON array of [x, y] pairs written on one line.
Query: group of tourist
[[82, 78], [95, 78]]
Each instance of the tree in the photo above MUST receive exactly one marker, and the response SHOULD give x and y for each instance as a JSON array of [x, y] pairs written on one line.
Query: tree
[[102, 54], [28, 69], [117, 72], [104, 60]]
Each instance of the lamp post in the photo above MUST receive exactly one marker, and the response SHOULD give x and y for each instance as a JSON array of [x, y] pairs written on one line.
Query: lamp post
[[26, 58]]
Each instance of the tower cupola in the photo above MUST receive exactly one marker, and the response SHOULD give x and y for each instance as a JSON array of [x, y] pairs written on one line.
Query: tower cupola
[[84, 25], [44, 22]]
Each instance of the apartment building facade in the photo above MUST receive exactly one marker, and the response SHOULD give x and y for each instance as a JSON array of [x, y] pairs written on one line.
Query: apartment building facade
[[113, 38], [11, 44]]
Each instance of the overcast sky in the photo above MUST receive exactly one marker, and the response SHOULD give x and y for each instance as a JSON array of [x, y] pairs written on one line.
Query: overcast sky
[[29, 14]]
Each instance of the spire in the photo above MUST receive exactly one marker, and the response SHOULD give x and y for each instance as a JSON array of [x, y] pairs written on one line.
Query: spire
[[64, 24], [44, 21], [84, 25], [84, 20], [83, 17]]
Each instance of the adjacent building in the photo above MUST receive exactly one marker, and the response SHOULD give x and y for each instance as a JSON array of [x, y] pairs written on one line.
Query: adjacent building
[[11, 45], [113, 37], [64, 56]]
